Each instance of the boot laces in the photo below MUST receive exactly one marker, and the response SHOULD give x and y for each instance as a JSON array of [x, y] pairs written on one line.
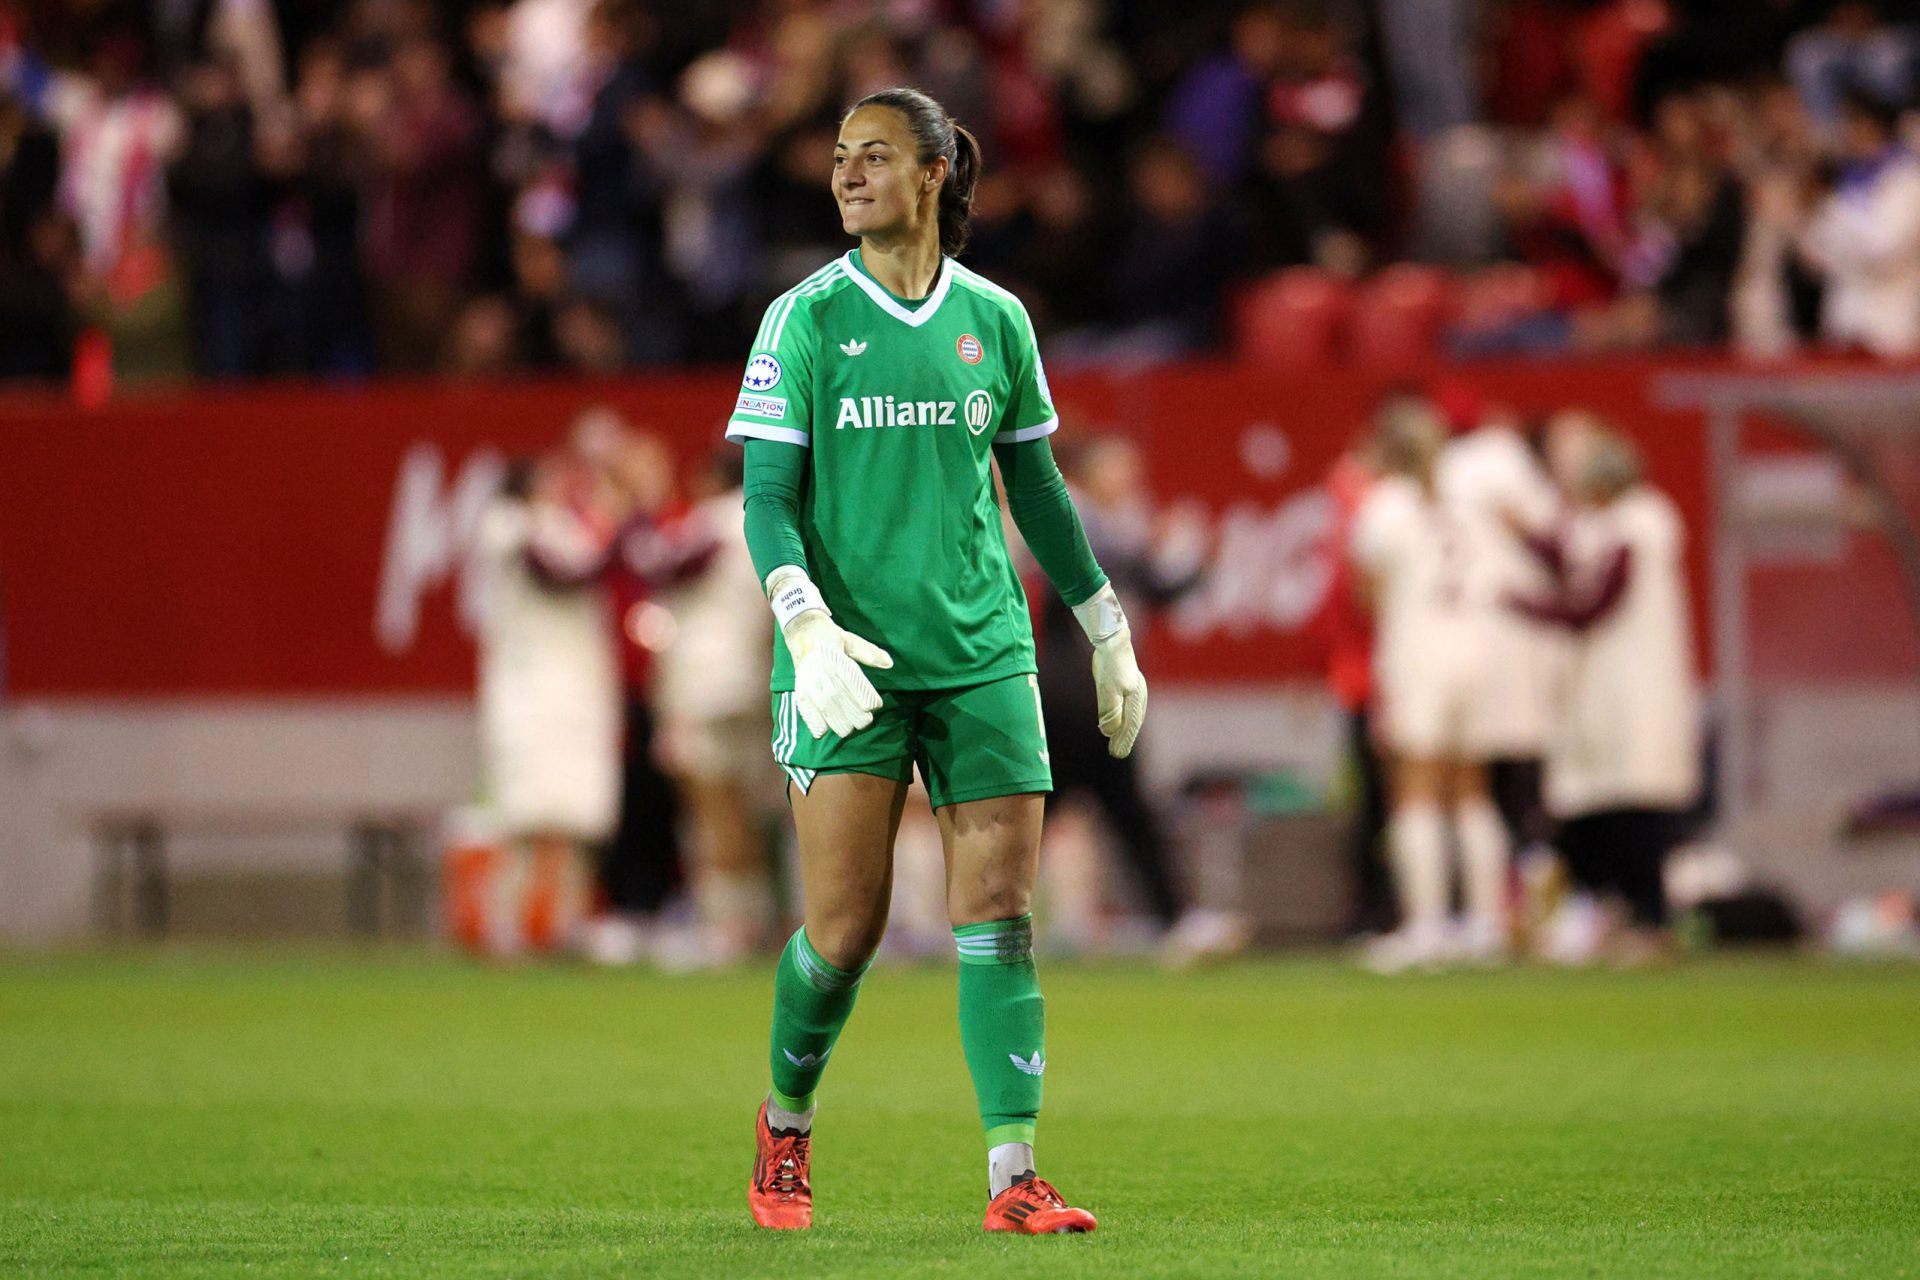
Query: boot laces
[[783, 1171], [1039, 1189]]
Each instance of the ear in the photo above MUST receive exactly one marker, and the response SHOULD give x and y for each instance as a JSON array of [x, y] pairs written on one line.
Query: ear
[[937, 173]]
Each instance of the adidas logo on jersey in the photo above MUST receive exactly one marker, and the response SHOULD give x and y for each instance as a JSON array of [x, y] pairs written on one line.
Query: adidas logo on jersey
[[865, 412], [853, 348]]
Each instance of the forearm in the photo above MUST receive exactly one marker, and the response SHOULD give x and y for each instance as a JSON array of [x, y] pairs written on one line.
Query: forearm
[[1583, 614], [1043, 512], [1546, 550], [830, 690], [775, 476], [665, 555], [562, 550]]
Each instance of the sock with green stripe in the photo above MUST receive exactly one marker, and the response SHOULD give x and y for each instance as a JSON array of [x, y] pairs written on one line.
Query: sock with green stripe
[[812, 1001], [1002, 1032]]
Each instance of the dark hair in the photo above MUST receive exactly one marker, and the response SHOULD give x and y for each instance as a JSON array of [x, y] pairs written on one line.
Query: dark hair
[[937, 135], [516, 482], [1884, 115], [1613, 466]]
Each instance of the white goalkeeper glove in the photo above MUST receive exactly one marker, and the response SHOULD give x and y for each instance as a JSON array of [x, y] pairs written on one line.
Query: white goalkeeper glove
[[829, 688], [1119, 689]]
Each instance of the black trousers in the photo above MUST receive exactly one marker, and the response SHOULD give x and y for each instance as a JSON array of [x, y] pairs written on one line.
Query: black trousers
[[1624, 852], [1081, 766], [1375, 908], [1515, 783], [641, 866]]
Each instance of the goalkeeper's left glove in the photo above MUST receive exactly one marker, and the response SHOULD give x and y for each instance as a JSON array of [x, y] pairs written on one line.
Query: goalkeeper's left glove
[[1119, 689]]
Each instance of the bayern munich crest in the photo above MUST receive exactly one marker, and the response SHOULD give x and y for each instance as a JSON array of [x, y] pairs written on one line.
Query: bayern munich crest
[[970, 349]]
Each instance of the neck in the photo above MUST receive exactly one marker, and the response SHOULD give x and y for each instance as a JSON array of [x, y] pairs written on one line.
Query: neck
[[906, 267]]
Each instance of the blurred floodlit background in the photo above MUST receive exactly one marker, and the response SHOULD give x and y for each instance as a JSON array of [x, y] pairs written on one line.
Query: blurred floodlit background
[[369, 558]]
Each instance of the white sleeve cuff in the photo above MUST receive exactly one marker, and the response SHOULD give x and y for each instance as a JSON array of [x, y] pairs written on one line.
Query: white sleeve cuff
[[1034, 432], [740, 432]]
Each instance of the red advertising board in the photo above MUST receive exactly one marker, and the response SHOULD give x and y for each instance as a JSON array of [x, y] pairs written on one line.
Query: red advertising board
[[307, 540]]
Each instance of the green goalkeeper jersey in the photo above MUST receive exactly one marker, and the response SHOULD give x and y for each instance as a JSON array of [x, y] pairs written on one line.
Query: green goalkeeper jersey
[[899, 404]]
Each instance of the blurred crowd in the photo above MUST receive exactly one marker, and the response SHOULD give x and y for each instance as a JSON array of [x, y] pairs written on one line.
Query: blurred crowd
[[247, 187], [1510, 636]]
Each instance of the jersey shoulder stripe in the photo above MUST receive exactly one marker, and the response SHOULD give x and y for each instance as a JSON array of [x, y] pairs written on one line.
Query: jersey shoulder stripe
[[827, 284], [780, 301], [1005, 300], [774, 325], [780, 306], [986, 288], [967, 275]]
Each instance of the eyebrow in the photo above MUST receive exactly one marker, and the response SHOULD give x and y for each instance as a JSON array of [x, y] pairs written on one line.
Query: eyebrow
[[870, 142]]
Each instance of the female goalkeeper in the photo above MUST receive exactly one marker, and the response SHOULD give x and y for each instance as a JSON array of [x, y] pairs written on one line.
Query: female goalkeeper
[[879, 392]]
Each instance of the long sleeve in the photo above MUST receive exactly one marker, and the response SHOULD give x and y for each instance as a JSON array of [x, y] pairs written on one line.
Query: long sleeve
[[775, 473], [1545, 548], [665, 554], [1582, 614], [562, 549], [1042, 510]]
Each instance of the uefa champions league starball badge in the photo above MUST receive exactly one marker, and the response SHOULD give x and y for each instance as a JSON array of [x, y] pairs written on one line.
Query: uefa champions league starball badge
[[763, 373]]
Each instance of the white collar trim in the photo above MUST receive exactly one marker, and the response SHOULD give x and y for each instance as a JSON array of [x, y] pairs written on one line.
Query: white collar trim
[[886, 301]]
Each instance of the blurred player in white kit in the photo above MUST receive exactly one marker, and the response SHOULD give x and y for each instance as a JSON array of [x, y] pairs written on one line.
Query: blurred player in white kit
[[1490, 475], [1433, 575], [549, 695], [1623, 766], [710, 688]]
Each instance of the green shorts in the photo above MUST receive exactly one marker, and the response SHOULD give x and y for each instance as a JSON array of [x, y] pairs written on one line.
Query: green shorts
[[972, 743]]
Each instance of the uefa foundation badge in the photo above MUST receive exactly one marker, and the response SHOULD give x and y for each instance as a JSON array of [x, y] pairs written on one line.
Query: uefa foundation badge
[[970, 349]]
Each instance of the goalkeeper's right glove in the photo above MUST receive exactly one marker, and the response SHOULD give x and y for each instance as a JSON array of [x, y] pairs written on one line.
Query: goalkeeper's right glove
[[831, 691]]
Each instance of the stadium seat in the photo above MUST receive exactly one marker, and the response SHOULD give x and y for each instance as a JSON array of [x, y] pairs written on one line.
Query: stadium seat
[[1399, 315], [1501, 292], [1294, 318]]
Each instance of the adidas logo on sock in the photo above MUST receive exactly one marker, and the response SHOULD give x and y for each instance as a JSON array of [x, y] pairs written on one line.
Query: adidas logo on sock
[[1032, 1067]]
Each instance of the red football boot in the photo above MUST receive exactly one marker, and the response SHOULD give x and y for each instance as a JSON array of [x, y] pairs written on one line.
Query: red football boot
[[1032, 1207], [779, 1194]]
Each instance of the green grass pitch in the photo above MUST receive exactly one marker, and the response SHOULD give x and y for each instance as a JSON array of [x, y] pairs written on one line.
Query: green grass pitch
[[338, 1113]]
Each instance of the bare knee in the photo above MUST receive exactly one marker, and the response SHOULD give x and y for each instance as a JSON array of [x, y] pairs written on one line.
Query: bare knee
[[1418, 781], [999, 893], [846, 828], [845, 941], [1466, 783], [993, 852]]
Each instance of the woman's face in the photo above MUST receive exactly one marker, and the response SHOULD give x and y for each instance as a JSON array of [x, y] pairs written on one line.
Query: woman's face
[[882, 190], [1569, 443]]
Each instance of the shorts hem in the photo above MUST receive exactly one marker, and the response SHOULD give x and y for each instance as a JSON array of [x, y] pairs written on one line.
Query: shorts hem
[[871, 770], [991, 791], [972, 680]]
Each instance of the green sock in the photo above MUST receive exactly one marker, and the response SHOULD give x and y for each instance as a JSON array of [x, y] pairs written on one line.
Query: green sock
[[811, 1002], [1002, 1025]]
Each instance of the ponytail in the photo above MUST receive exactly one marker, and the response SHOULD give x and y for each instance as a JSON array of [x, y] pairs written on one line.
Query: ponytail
[[936, 134], [956, 193]]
